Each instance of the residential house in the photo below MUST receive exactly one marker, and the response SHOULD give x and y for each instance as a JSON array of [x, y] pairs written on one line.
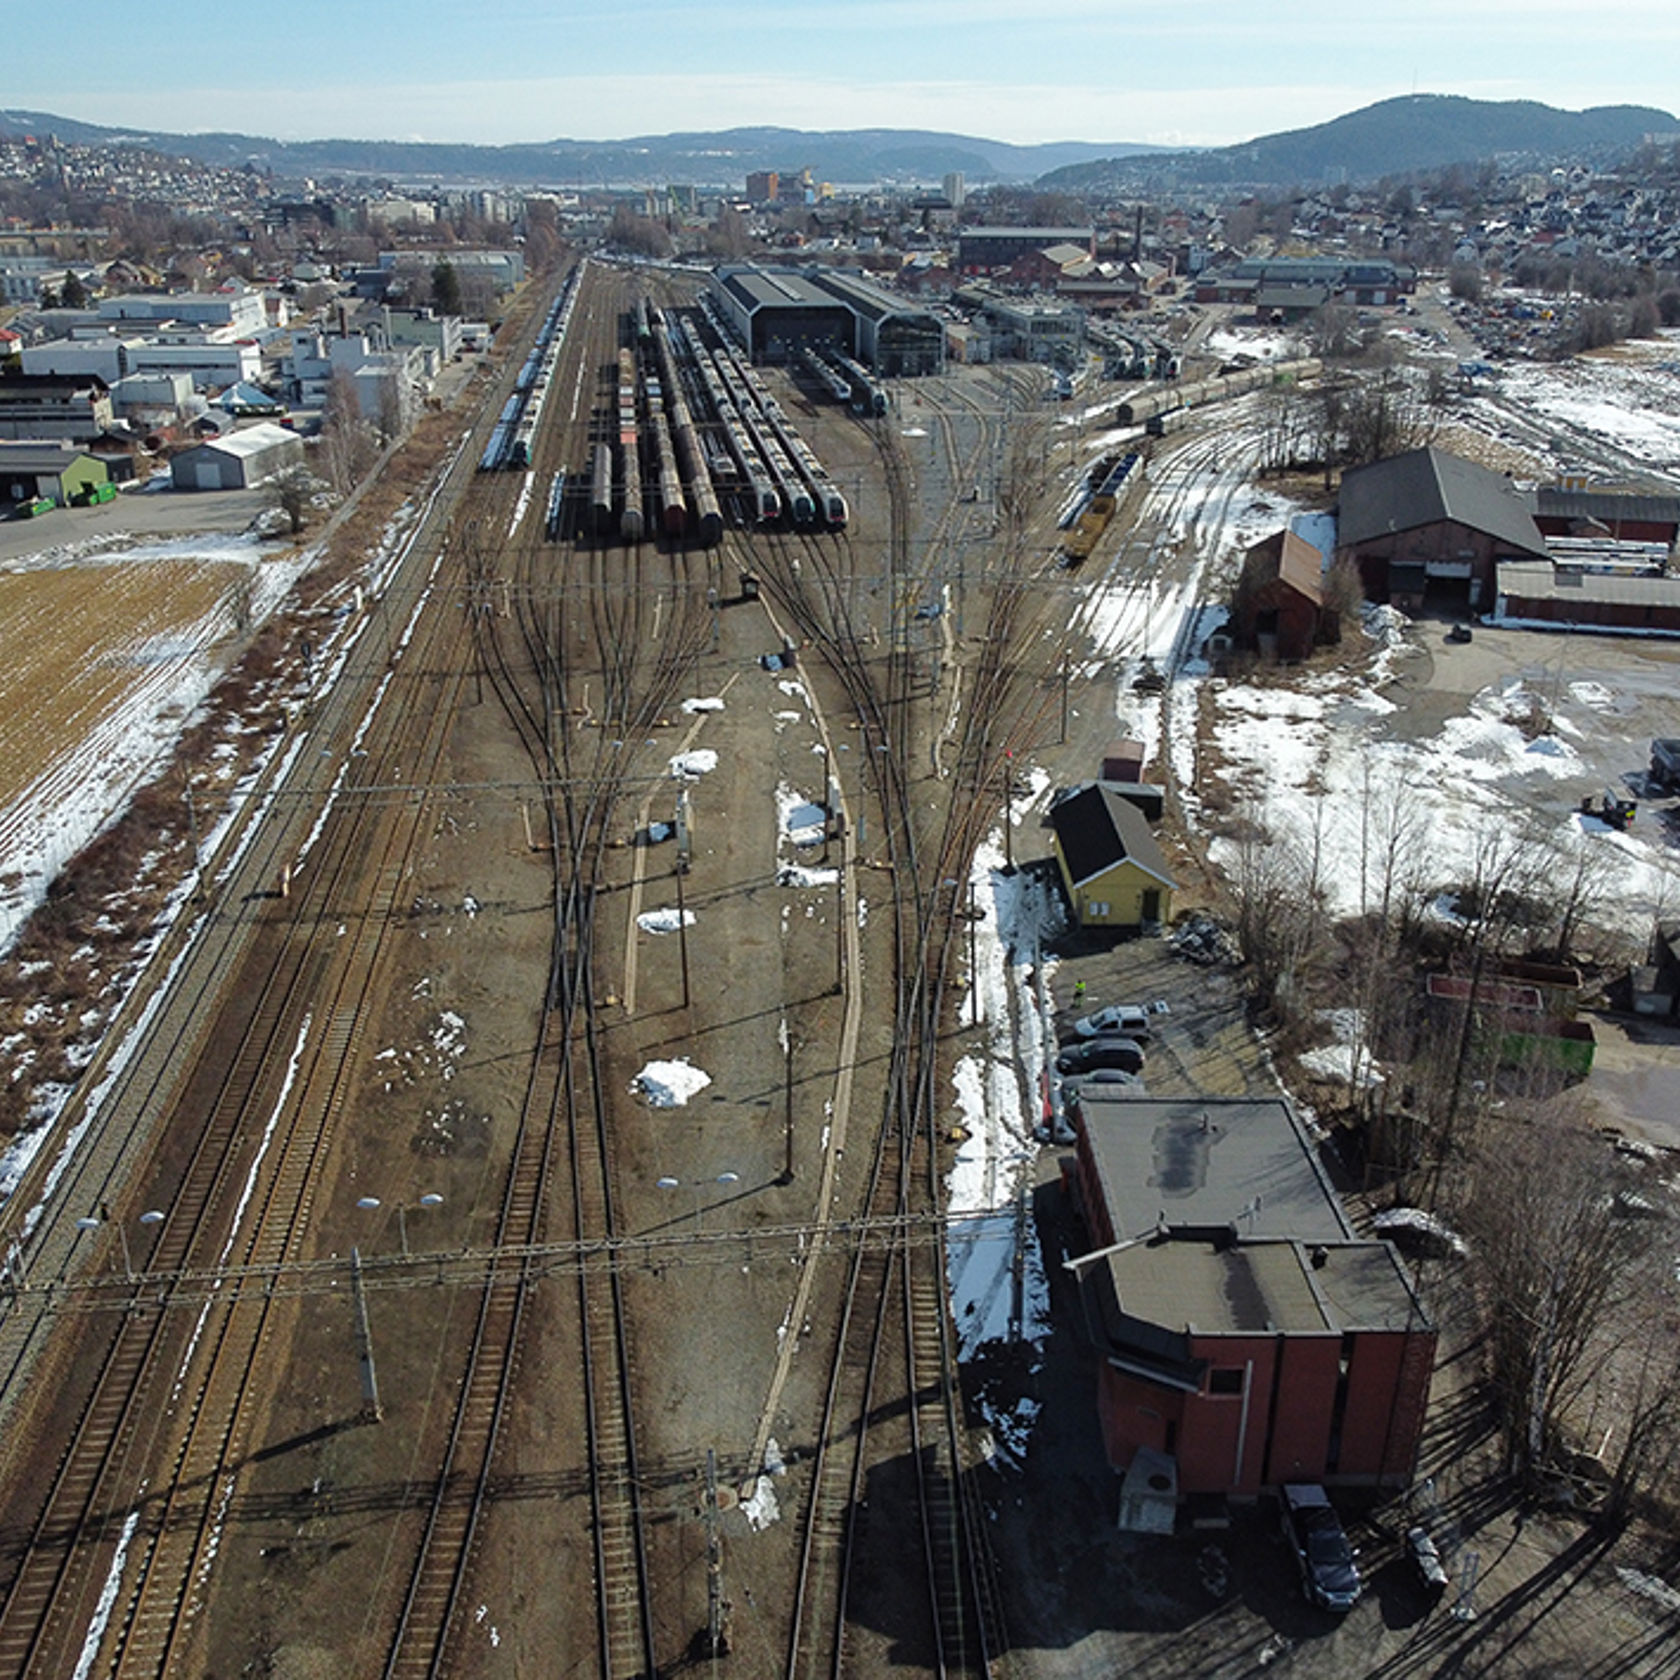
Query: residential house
[[1111, 864]]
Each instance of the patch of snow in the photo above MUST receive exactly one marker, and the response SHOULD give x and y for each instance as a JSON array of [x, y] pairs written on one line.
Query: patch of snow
[[760, 1508], [798, 820], [712, 703], [796, 875], [691, 766], [670, 1084], [664, 921]]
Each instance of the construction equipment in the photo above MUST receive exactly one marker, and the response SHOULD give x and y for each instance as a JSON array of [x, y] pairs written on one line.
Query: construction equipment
[[1611, 809]]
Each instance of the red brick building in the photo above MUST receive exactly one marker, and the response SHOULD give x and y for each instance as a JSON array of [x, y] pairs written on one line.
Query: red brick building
[[1279, 605], [1247, 1335], [1427, 526]]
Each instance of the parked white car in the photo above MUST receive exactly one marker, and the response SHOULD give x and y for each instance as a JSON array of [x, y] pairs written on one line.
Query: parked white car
[[1131, 1020]]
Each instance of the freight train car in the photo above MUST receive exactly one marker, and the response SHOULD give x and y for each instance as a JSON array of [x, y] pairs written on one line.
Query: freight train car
[[556, 506], [1198, 393], [601, 490]]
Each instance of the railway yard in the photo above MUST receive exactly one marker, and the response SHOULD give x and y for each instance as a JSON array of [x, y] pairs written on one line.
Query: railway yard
[[508, 1232], [398, 1137]]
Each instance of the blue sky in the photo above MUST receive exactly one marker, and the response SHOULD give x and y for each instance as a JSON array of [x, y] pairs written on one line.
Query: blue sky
[[1191, 72]]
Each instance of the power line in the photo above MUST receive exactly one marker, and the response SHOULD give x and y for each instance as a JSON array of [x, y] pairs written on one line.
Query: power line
[[480, 1267]]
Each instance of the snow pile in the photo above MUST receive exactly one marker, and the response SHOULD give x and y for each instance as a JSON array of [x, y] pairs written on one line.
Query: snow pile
[[520, 506], [760, 1506], [668, 920], [796, 875], [670, 1084], [691, 766], [799, 821], [1420, 1223], [711, 704], [998, 1102], [1348, 1058]]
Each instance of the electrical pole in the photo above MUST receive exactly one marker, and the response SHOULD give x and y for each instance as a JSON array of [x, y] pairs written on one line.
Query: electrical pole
[[371, 1409], [717, 1635], [787, 1092], [682, 932]]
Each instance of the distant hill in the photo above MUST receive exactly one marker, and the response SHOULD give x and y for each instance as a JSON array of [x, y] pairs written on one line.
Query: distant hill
[[1414, 132], [846, 156]]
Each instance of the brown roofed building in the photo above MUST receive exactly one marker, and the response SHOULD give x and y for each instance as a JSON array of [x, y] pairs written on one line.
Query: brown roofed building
[[1247, 1335], [1279, 605]]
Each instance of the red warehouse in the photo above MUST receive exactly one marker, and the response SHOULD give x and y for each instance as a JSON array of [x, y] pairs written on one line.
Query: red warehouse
[[1247, 1335]]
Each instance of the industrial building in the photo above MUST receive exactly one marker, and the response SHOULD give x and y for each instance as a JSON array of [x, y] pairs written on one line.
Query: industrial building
[[775, 312], [1037, 332], [1248, 1337], [45, 406], [896, 337], [238, 460], [981, 250], [1432, 526], [47, 472]]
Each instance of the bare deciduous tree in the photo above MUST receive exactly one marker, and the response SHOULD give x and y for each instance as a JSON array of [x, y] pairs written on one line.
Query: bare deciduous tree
[[291, 491], [1558, 1258]]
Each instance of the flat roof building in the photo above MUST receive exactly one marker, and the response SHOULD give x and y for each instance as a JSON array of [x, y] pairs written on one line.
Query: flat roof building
[[1247, 1335]]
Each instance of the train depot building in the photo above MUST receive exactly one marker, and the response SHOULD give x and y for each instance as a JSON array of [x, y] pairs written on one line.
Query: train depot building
[[777, 312], [1429, 527], [1247, 1336]]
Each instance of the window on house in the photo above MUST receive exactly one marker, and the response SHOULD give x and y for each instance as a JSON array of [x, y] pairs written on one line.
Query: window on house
[[1225, 1381]]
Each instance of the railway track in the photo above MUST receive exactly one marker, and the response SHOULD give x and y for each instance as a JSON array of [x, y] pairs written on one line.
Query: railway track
[[115, 1561], [892, 1343], [538, 658]]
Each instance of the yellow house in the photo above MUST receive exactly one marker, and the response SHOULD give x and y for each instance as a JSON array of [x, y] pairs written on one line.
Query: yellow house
[[1111, 865]]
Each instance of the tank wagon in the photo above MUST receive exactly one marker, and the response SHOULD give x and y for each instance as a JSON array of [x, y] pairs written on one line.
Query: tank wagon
[[1148, 406], [601, 489], [691, 464], [630, 461]]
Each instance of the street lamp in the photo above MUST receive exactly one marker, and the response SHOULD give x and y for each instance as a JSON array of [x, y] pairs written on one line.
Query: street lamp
[[430, 1200], [93, 1221], [698, 1185]]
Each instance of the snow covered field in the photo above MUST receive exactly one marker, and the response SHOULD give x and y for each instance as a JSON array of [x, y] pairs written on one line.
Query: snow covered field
[[1505, 736], [111, 645]]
